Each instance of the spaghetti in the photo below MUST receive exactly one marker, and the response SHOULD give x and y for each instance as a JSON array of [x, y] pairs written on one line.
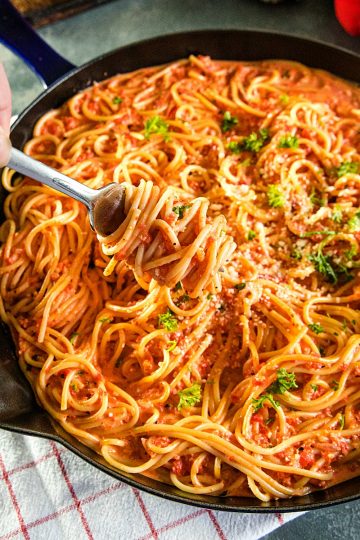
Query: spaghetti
[[163, 347]]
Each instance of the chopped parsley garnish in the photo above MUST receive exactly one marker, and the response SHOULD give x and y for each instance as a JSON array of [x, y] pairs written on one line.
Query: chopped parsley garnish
[[235, 147], [269, 420], [184, 298], [255, 141], [296, 254], [179, 210], [251, 235], [354, 223], [337, 214], [209, 296], [285, 381], [322, 263], [178, 286], [74, 387], [168, 321], [259, 402], [284, 98], [172, 345], [240, 286], [288, 141], [344, 325], [73, 337], [117, 100], [342, 421], [314, 387], [276, 197], [190, 396], [350, 253], [312, 233], [348, 167], [105, 320], [228, 122], [316, 199], [158, 126], [316, 328], [335, 385]]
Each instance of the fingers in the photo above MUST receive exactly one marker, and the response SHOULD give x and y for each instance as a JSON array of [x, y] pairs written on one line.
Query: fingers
[[5, 147], [5, 101]]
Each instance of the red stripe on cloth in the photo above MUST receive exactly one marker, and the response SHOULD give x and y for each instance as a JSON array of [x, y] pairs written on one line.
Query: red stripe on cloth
[[280, 518], [64, 510], [175, 524], [139, 498], [14, 500], [30, 465], [216, 525], [72, 491]]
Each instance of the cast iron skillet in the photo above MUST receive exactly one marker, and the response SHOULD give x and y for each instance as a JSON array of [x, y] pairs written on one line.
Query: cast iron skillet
[[18, 409]]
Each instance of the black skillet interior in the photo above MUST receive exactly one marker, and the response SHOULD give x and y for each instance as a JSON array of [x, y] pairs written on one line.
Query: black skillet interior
[[18, 409]]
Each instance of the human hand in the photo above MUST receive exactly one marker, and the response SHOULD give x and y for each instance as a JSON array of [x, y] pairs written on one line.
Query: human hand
[[5, 114]]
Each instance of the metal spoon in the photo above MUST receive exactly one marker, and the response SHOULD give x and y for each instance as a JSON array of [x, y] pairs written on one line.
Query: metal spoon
[[105, 205]]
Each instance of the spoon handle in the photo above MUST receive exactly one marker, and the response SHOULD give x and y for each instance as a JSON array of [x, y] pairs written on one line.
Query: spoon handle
[[24, 164]]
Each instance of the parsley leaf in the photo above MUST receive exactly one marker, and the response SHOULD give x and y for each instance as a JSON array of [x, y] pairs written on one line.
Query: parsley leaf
[[179, 210], [288, 141], [312, 233], [316, 328], [255, 141], [342, 421], [275, 196], [337, 214], [284, 98], [322, 263], [348, 167], [354, 222], [259, 402], [73, 337], [178, 286], [228, 122], [350, 253], [240, 286], [314, 387], [190, 396], [117, 100], [285, 381], [296, 254], [168, 320], [251, 235], [157, 125], [105, 320], [234, 147], [335, 385], [172, 345], [316, 199]]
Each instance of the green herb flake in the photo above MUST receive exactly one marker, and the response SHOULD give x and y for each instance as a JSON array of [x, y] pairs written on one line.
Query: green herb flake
[[179, 210], [313, 233], [316, 328], [105, 320], [228, 122], [354, 223], [74, 387], [314, 387], [269, 420], [259, 402], [335, 385], [348, 167], [251, 235], [344, 324], [275, 196], [172, 345], [189, 397], [337, 214], [73, 337], [342, 421], [296, 254], [350, 253], [255, 141], [234, 147], [288, 141], [157, 126], [168, 321], [117, 100], [323, 264], [240, 286], [284, 99], [178, 286], [209, 296], [284, 381], [316, 199]]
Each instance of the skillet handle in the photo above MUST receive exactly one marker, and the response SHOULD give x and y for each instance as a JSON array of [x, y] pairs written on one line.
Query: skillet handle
[[19, 36]]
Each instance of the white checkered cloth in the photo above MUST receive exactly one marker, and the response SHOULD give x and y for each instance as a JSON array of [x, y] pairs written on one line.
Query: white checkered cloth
[[46, 492]]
